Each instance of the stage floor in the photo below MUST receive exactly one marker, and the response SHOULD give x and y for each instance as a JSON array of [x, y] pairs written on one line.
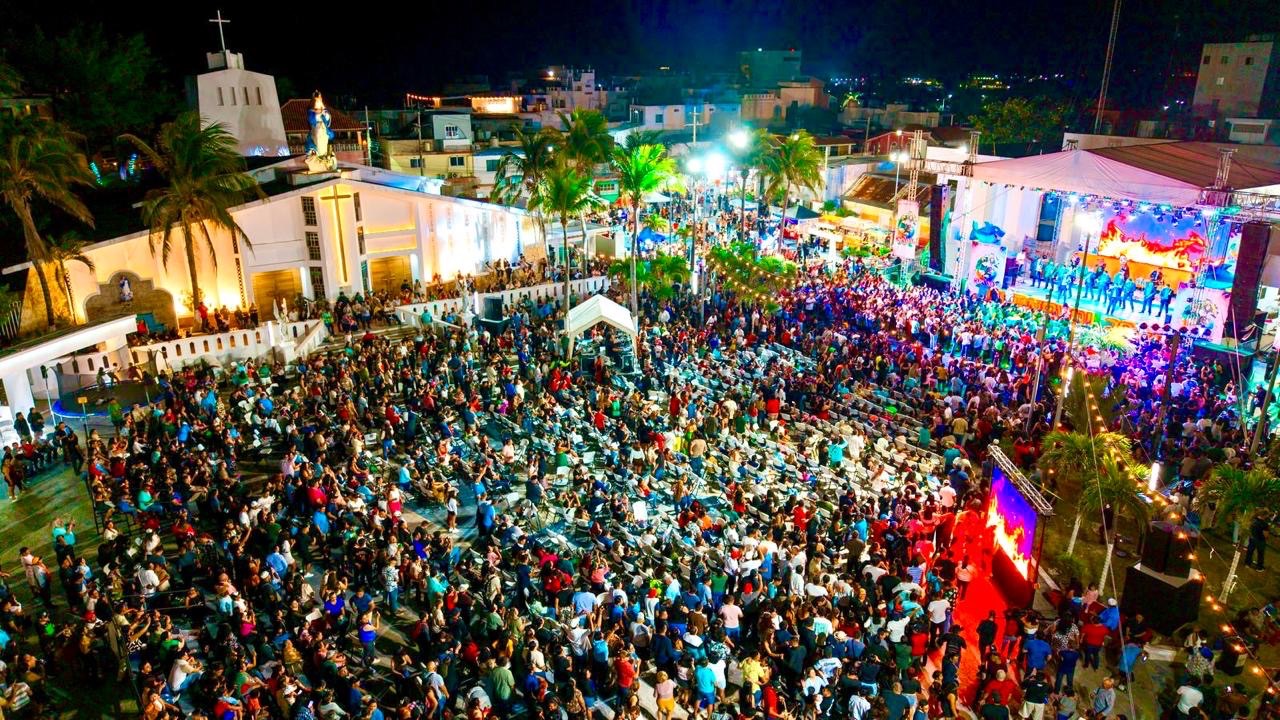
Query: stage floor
[[1130, 312]]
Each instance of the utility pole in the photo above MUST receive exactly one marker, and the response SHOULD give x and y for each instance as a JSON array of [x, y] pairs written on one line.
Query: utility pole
[[1106, 67], [368, 139], [1266, 405], [697, 112], [421, 171]]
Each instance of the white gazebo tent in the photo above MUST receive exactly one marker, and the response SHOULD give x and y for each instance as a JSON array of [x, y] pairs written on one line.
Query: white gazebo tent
[[598, 309]]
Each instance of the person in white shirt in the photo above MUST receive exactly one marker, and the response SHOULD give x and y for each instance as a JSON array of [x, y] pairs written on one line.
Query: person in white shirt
[[937, 611], [1189, 698]]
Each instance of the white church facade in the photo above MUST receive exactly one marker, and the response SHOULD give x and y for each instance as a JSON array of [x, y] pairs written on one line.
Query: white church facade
[[351, 231]]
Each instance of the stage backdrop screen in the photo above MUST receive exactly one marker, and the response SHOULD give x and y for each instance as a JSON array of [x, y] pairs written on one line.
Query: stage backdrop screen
[[1013, 523]]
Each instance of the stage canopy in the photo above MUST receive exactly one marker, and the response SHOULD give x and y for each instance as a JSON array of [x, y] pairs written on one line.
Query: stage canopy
[[1165, 173], [599, 309]]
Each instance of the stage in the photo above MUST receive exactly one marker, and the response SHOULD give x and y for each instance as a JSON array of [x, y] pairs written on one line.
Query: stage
[[128, 393], [1187, 306]]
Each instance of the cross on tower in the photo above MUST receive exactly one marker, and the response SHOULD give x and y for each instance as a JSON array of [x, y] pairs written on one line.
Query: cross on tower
[[219, 21]]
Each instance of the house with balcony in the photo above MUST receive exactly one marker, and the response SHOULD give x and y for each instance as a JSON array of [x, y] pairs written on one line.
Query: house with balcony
[[348, 133], [444, 150]]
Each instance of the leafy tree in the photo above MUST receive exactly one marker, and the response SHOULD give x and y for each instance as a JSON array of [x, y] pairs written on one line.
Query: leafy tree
[[10, 80], [522, 169], [586, 143], [658, 274], [1239, 495], [1071, 460], [636, 138], [793, 162], [1023, 120], [39, 160], [567, 193], [102, 85], [641, 171], [752, 157], [205, 179]]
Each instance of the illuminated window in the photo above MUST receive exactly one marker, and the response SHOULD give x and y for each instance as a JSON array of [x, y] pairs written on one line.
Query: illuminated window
[[309, 211], [360, 237], [313, 246], [457, 161], [452, 132], [355, 197], [317, 283]]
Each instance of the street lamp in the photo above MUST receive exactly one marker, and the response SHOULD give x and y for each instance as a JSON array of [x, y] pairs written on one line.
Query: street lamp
[[897, 158], [738, 138], [693, 165]]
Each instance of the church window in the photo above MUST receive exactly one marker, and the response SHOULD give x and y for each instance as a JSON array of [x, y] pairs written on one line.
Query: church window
[[220, 102], [259, 89], [313, 246], [309, 211]]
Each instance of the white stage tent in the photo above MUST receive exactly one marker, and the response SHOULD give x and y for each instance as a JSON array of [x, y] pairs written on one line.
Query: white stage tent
[[595, 310], [1085, 172], [1164, 173]]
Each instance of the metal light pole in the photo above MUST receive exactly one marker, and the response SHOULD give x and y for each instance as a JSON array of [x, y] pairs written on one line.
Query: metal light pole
[[1266, 403], [1090, 223]]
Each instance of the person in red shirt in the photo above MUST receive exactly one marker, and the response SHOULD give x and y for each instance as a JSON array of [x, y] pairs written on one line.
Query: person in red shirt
[[1002, 685], [625, 671], [1092, 636]]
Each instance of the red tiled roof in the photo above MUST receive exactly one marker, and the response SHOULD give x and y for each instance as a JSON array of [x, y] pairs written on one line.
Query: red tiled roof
[[294, 113]]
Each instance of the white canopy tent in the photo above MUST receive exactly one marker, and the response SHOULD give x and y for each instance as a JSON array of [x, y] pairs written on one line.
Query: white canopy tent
[[1083, 171], [595, 310]]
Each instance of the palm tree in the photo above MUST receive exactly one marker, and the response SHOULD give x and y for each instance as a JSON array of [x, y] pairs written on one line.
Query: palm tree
[[1115, 486], [567, 193], [69, 247], [793, 162], [521, 170], [1072, 459], [205, 176], [658, 274], [757, 148], [40, 160], [636, 138], [641, 171], [656, 223], [10, 80], [1239, 494], [587, 143]]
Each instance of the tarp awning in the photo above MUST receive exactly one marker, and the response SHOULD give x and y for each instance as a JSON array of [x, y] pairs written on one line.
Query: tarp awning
[[1083, 171], [599, 309]]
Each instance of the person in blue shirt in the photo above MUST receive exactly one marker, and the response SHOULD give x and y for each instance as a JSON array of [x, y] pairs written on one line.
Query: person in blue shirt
[[1110, 616], [1036, 653], [704, 679]]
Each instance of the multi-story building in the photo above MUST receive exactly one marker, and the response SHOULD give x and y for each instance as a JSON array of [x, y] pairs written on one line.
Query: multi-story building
[[1239, 80], [444, 150], [765, 69]]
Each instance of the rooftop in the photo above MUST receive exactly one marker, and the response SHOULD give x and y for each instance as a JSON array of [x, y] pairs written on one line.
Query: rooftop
[[294, 113]]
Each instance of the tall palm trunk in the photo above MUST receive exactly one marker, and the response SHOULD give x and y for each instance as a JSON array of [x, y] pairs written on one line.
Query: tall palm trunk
[[1230, 583], [564, 229], [635, 248], [34, 246], [190, 247], [742, 207], [1106, 564], [782, 224], [1075, 532]]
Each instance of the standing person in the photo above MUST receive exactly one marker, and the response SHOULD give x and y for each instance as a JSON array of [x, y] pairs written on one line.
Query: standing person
[[1035, 694], [1104, 698], [987, 630], [1257, 540], [1092, 636], [993, 708]]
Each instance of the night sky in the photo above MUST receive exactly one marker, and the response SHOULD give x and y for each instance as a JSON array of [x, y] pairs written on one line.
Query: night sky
[[373, 52]]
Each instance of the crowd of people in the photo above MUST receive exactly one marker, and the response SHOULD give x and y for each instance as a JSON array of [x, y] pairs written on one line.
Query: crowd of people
[[778, 514]]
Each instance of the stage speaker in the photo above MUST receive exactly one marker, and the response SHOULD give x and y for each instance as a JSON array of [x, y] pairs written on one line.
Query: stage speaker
[[1250, 260], [493, 308], [939, 199], [1167, 602], [1167, 548]]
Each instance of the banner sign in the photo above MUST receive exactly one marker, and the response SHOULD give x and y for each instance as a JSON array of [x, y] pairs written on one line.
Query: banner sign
[[907, 231]]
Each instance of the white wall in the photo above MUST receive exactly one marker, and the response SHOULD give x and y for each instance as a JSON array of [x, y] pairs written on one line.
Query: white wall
[[258, 126]]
